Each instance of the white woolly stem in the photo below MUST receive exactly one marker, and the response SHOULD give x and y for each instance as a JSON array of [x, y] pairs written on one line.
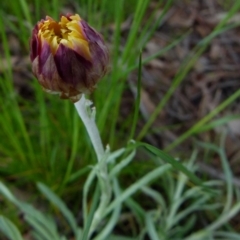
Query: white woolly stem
[[88, 117], [89, 122]]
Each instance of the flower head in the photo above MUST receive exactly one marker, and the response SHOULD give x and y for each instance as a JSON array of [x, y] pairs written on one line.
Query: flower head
[[68, 57]]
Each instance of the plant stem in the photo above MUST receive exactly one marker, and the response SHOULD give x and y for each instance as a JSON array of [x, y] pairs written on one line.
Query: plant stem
[[88, 118], [91, 127]]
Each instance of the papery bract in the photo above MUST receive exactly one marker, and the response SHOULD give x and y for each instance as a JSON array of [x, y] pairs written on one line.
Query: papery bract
[[68, 57]]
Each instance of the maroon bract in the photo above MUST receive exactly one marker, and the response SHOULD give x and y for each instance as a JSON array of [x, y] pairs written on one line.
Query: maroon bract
[[68, 57]]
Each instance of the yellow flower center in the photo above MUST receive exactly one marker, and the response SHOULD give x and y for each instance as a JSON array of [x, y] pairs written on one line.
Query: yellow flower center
[[66, 32]]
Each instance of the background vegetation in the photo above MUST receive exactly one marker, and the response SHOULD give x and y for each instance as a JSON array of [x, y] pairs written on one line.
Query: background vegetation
[[176, 181]]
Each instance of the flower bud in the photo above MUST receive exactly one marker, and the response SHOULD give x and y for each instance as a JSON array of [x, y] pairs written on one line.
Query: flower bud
[[68, 57]]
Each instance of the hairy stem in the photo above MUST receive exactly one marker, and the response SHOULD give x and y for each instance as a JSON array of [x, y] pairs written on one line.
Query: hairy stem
[[89, 122]]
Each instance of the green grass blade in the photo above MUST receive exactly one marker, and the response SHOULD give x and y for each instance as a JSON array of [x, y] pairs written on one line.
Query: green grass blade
[[26, 11], [138, 99], [86, 189], [75, 143], [216, 224], [55, 200], [189, 63], [108, 229], [154, 23], [73, 177], [152, 232], [228, 175], [176, 164], [149, 177], [93, 208], [139, 12], [122, 164], [156, 196], [9, 229], [44, 224], [117, 33], [45, 233], [217, 123], [204, 120], [136, 209], [226, 169], [226, 235]]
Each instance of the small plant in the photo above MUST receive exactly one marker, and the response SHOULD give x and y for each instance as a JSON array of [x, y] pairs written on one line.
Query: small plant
[[173, 212], [169, 201]]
